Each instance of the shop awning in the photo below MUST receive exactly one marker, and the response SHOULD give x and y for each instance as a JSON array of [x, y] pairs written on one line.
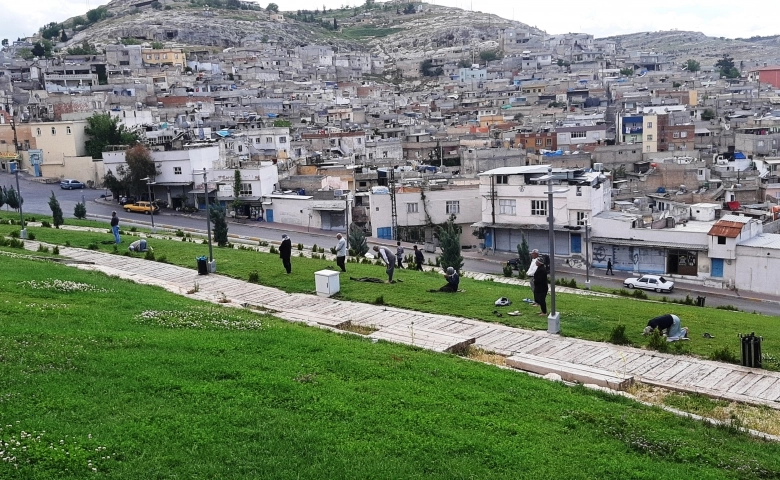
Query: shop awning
[[646, 244]]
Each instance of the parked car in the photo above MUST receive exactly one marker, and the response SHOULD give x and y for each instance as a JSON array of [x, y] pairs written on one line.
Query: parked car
[[650, 282], [141, 207], [70, 184]]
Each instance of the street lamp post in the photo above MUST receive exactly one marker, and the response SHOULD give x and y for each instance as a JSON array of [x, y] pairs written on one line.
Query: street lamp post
[[208, 217], [554, 318], [23, 233], [149, 184], [587, 255]]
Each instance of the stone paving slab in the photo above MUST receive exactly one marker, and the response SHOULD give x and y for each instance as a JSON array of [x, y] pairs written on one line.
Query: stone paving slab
[[682, 373]]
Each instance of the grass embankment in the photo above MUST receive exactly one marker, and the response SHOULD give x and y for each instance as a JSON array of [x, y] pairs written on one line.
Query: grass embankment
[[135, 382], [582, 316]]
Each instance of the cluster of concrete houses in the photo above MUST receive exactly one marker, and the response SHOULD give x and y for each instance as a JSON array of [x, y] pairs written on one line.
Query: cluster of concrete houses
[[665, 171]]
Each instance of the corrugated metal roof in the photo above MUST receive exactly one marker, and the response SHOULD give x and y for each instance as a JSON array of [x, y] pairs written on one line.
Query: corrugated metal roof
[[729, 226], [763, 240], [648, 244], [734, 218]]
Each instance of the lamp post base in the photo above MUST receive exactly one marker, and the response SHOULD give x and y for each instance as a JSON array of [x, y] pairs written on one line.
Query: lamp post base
[[587, 284], [554, 323], [23, 234]]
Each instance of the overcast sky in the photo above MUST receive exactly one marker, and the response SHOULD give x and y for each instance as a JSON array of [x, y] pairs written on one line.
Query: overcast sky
[[719, 18]]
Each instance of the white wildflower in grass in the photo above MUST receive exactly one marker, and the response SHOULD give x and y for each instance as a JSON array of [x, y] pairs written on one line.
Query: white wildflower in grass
[[65, 286], [200, 319]]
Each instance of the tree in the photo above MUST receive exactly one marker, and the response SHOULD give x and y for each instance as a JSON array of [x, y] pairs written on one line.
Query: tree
[[409, 9], [139, 167], [726, 67], [707, 114], [335, 24], [525, 256], [85, 48], [489, 55], [64, 36], [233, 4], [157, 45], [219, 223], [357, 240], [5, 42], [627, 72], [272, 7], [692, 65], [448, 235], [80, 211], [103, 131], [428, 69], [38, 50], [113, 184], [236, 191], [12, 198], [56, 210], [2, 197]]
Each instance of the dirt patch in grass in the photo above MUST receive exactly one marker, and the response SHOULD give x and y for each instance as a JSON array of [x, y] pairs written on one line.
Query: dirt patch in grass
[[359, 329], [485, 356]]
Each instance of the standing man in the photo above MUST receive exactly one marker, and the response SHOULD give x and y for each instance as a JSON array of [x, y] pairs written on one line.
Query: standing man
[[530, 273], [540, 286], [418, 258], [341, 252], [399, 255], [389, 260], [115, 227], [609, 267], [285, 252]]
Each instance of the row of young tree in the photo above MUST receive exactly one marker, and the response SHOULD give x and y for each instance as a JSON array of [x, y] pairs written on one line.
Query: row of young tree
[[10, 198]]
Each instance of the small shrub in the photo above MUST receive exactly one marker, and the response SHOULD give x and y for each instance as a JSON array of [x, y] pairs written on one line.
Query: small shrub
[[133, 229], [658, 342], [333, 250], [31, 219], [300, 254], [179, 233], [321, 250], [688, 300], [724, 354], [67, 243], [378, 262], [55, 250], [14, 234], [93, 246], [149, 255], [618, 335], [45, 224], [14, 243], [42, 248], [639, 294], [254, 277], [573, 283], [730, 308], [30, 236], [162, 259], [365, 261], [521, 275], [273, 250], [380, 300], [314, 248], [508, 270], [351, 252], [300, 246], [263, 243]]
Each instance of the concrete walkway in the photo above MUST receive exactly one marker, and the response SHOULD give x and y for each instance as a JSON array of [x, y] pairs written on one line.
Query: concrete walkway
[[441, 332]]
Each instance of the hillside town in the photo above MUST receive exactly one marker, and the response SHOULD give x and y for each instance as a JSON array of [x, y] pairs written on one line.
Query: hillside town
[[659, 165]]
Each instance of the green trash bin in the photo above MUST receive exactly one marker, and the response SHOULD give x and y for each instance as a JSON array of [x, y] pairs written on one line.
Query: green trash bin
[[203, 265]]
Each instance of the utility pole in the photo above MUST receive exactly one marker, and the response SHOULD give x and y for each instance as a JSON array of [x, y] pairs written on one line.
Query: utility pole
[[393, 207]]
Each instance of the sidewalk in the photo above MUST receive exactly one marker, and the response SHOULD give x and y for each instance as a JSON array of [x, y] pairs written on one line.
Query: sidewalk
[[442, 332]]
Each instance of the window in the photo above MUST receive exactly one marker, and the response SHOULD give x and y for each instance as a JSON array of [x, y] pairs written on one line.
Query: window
[[453, 207], [649, 137], [538, 142], [539, 207], [148, 57], [67, 130], [384, 154], [549, 142], [721, 240], [578, 134], [282, 139], [177, 170], [245, 189], [760, 143], [53, 130], [502, 179], [507, 207], [685, 135], [359, 141], [581, 217], [269, 139], [676, 135], [165, 56], [649, 124], [39, 132], [257, 139], [411, 207]]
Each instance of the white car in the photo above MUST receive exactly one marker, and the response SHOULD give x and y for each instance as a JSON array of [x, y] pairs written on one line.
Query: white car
[[650, 282]]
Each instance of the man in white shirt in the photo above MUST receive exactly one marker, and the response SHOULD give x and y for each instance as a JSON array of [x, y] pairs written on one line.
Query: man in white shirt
[[389, 260], [531, 270], [341, 252]]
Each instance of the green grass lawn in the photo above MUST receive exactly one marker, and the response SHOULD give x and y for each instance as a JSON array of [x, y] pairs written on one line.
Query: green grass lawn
[[586, 317], [136, 382]]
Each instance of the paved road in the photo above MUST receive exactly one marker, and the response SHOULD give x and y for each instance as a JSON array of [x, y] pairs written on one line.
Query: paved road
[[36, 197]]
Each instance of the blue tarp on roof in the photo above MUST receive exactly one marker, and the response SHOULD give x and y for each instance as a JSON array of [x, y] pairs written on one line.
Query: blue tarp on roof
[[223, 133], [739, 156], [553, 154]]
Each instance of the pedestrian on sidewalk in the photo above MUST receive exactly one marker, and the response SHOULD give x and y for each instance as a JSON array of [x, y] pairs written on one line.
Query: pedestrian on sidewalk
[[530, 273], [418, 258], [115, 227], [540, 286], [388, 259], [399, 255], [609, 267], [285, 252], [341, 252]]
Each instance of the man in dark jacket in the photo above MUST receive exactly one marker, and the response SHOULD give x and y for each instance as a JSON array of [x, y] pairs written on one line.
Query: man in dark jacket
[[418, 258], [453, 280], [285, 252], [540, 286]]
